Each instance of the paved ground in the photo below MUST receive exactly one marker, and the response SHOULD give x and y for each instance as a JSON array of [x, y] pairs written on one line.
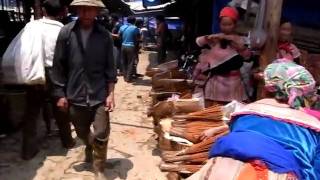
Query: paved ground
[[132, 152]]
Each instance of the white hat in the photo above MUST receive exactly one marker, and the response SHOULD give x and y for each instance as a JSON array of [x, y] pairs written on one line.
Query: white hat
[[91, 3]]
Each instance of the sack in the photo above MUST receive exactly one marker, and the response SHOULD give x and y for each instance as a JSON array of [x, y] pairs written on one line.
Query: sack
[[23, 60]]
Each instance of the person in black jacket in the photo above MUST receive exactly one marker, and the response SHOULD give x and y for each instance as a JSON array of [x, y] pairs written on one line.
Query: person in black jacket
[[84, 76]]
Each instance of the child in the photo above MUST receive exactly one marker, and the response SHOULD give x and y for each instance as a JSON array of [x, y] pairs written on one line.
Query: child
[[286, 49]]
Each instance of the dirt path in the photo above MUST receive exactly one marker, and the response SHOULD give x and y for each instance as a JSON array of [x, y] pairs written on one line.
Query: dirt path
[[132, 152]]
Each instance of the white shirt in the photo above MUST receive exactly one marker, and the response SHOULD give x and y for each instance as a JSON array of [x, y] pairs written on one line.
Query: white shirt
[[49, 29], [30, 52]]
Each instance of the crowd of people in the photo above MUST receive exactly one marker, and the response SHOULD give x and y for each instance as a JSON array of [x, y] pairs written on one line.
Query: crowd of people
[[128, 39], [72, 71], [80, 75]]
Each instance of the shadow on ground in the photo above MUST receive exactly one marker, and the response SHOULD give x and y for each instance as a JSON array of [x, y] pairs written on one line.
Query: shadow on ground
[[11, 163], [115, 168]]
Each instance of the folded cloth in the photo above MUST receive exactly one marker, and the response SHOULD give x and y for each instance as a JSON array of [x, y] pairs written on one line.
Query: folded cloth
[[304, 143], [249, 146], [215, 168]]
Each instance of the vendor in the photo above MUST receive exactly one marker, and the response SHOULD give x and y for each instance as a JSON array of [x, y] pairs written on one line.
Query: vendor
[[272, 138], [223, 62]]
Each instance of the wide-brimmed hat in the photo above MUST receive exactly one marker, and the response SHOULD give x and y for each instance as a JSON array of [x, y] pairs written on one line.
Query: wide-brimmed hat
[[91, 3]]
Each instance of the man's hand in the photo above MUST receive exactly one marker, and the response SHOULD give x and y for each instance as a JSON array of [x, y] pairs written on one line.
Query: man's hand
[[110, 103], [63, 104]]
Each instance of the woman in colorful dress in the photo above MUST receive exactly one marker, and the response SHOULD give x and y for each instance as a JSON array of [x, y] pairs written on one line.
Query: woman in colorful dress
[[223, 61]]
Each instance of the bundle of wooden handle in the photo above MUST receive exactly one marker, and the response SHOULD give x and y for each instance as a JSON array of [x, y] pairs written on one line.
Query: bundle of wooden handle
[[186, 119], [211, 113], [192, 129], [192, 157]]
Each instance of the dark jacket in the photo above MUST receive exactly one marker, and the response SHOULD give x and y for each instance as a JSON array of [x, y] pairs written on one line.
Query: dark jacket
[[82, 74]]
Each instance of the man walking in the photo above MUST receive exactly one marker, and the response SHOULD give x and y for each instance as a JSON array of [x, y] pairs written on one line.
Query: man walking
[[130, 36], [44, 32], [84, 75]]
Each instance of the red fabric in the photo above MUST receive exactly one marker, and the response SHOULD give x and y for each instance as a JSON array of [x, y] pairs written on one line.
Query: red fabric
[[229, 12], [255, 170], [286, 47]]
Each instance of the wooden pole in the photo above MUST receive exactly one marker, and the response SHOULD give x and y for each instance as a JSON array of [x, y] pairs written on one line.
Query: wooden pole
[[271, 25]]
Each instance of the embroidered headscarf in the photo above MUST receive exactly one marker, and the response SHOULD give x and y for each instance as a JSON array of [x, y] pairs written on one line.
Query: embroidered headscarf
[[291, 82]]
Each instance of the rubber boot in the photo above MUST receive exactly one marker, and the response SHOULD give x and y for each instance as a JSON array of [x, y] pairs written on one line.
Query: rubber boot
[[88, 154], [99, 158]]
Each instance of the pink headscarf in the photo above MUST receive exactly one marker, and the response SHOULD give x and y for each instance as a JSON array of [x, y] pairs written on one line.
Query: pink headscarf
[[229, 12]]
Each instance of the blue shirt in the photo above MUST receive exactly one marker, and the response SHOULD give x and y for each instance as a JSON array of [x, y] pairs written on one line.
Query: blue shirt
[[129, 35]]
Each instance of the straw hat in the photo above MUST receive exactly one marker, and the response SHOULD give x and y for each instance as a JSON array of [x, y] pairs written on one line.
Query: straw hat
[[92, 3]]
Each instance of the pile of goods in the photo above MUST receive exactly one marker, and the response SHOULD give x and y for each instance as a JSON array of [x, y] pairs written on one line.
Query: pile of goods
[[180, 121], [190, 158], [167, 80]]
